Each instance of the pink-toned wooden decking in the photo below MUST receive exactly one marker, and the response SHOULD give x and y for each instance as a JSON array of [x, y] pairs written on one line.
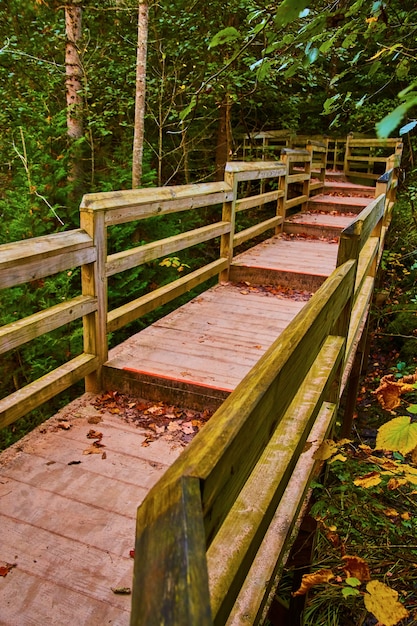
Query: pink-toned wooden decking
[[68, 518]]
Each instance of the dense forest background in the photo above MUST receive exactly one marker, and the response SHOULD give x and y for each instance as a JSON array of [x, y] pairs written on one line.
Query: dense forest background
[[212, 75]]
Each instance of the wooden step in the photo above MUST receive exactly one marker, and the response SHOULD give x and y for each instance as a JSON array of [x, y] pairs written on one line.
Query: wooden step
[[340, 204], [336, 175], [314, 224], [345, 188], [199, 353]]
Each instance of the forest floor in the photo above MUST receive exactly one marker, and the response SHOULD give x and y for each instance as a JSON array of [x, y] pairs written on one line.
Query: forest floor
[[364, 571]]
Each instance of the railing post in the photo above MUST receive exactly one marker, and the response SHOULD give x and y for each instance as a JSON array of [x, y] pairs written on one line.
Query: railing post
[[228, 215], [170, 581], [94, 283]]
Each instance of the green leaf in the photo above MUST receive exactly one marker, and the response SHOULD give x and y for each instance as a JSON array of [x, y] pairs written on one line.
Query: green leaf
[[390, 122], [397, 434], [325, 46], [289, 10], [353, 582], [348, 591], [413, 407], [226, 35], [189, 108]]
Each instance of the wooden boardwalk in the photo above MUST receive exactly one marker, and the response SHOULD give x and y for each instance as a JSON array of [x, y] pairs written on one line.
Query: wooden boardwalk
[[68, 504]]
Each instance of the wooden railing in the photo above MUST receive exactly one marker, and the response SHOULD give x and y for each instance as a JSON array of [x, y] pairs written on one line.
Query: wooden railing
[[214, 532], [283, 186]]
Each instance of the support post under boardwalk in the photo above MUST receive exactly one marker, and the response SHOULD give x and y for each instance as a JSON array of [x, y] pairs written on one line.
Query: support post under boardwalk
[[173, 588]]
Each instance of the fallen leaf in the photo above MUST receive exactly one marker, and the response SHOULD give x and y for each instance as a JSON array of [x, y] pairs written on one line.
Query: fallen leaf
[[355, 567], [369, 480], [394, 483], [64, 425], [389, 392], [95, 419], [325, 450], [94, 434], [311, 580], [391, 512], [74, 462], [122, 590], [132, 554], [94, 449], [6, 568], [173, 427], [382, 602], [104, 456]]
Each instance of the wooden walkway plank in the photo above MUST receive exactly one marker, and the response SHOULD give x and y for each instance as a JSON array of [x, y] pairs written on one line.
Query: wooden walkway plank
[[68, 519]]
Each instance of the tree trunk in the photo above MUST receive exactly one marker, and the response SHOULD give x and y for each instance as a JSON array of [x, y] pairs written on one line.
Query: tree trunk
[[73, 84], [137, 157], [224, 137], [73, 70]]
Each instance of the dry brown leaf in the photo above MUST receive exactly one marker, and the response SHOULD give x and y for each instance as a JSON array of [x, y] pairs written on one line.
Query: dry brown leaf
[[394, 483], [311, 580], [389, 392], [94, 449], [5, 568], [64, 425], [414, 456], [94, 434], [382, 602], [356, 568]]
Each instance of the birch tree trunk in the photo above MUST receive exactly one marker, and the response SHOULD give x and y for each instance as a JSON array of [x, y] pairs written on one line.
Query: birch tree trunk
[[137, 156], [73, 69], [73, 85]]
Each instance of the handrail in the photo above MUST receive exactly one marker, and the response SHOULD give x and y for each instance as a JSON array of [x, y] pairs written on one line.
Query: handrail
[[251, 445]]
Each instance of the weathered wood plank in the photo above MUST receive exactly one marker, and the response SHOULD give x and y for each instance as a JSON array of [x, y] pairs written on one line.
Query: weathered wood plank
[[259, 200], [17, 333], [31, 259], [231, 553], [43, 389], [127, 259], [136, 308], [170, 538], [289, 204], [258, 229], [133, 197], [262, 576]]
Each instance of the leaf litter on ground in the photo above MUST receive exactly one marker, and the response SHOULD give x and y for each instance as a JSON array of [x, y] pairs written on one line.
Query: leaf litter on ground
[[158, 419]]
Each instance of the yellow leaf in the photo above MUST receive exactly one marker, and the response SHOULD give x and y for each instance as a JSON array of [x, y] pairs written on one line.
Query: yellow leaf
[[369, 480], [399, 434], [325, 450], [391, 513], [382, 602], [394, 483], [338, 457]]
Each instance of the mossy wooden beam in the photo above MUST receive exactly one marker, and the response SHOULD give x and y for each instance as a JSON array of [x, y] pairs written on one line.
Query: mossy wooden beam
[[127, 259], [173, 587], [24, 261], [232, 552], [43, 389]]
